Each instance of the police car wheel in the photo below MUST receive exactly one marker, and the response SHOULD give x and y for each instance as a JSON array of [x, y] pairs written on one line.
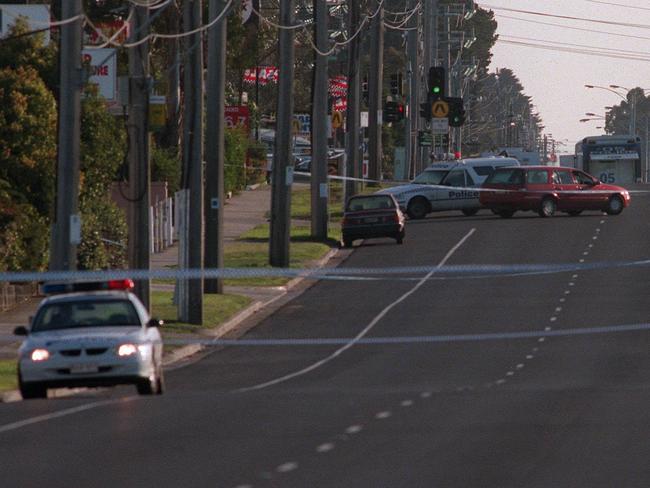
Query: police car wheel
[[470, 211], [151, 385], [31, 390], [417, 208]]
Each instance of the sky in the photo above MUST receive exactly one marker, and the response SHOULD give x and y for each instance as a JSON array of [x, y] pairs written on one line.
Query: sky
[[555, 80]]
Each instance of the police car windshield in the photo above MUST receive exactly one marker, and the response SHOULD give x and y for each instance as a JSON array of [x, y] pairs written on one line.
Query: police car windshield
[[434, 177], [85, 313]]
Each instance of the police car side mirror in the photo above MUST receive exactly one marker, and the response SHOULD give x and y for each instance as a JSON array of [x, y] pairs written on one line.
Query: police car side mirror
[[21, 330], [155, 323]]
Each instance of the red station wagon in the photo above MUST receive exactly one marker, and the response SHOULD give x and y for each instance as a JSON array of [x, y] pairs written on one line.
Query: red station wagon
[[547, 189]]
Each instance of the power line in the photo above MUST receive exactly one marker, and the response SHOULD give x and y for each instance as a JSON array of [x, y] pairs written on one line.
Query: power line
[[569, 17], [618, 4], [624, 51], [576, 51], [574, 28]]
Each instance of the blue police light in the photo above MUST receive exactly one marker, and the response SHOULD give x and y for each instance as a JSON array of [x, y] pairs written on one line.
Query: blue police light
[[57, 288]]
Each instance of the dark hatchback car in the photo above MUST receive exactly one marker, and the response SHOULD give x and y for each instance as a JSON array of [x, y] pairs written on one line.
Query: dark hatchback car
[[369, 216], [547, 189]]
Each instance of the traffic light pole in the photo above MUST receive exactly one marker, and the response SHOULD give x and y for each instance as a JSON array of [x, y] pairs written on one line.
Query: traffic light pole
[[353, 112]]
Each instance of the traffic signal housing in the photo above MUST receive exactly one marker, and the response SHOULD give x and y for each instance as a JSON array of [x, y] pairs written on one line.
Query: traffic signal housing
[[393, 111], [456, 111], [437, 82], [396, 84], [425, 110]]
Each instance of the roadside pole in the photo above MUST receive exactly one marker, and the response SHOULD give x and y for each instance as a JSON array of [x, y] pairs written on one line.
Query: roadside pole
[[138, 156], [66, 232], [319, 185], [353, 116], [214, 147], [375, 82], [282, 175], [193, 153]]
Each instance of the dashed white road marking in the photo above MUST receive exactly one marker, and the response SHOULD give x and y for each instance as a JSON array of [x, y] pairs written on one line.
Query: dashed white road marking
[[586, 253], [529, 356], [574, 276], [425, 394], [520, 365], [287, 467], [558, 309], [590, 245], [328, 446], [354, 429], [602, 221], [571, 283], [500, 381], [562, 300], [406, 403], [582, 260], [541, 339], [598, 229], [595, 238], [567, 292], [510, 373], [244, 486], [383, 415], [548, 328], [367, 328], [553, 319], [535, 349]]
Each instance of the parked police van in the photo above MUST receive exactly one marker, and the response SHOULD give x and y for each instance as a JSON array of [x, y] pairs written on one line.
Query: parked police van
[[449, 185]]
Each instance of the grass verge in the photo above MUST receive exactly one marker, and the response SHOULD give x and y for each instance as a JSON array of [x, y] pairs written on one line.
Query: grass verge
[[8, 380], [216, 310]]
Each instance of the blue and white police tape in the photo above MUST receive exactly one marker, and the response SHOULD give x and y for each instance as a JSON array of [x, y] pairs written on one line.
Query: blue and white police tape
[[391, 273], [397, 340]]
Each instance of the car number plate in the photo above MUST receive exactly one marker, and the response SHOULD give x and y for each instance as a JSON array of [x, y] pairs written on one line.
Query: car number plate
[[83, 368], [371, 220]]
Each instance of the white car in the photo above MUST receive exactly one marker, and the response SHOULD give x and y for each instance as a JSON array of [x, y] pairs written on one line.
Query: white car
[[447, 186], [90, 334]]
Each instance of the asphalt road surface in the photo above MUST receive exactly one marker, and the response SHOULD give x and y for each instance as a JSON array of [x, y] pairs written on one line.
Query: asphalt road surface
[[567, 411]]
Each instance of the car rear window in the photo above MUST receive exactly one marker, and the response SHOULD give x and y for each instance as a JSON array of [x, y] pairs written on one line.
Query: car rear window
[[85, 313], [370, 203], [434, 177], [506, 176]]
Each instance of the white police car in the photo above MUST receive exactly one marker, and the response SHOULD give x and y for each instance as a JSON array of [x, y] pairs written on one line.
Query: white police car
[[447, 186], [90, 334]]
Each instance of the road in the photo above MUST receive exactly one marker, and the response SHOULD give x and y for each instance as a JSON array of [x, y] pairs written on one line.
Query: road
[[535, 412]]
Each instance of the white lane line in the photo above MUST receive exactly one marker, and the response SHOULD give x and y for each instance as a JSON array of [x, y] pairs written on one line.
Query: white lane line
[[535, 349], [571, 283], [602, 221], [366, 329], [354, 429], [244, 486], [553, 319], [595, 238], [520, 365], [567, 292], [558, 309], [529, 356], [562, 300], [541, 339], [328, 446], [582, 260], [590, 245], [425, 394], [548, 328], [383, 415], [574, 276], [406, 403], [598, 229], [62, 413], [500, 382], [287, 467], [586, 253], [510, 373]]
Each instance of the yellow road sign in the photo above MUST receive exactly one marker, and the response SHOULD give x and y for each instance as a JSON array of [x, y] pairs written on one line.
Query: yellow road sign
[[337, 120], [440, 109], [295, 126]]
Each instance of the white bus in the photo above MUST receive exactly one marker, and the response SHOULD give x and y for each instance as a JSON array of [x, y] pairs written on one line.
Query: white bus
[[613, 159]]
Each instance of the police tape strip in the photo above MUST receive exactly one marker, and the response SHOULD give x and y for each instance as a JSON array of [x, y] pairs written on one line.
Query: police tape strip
[[397, 340], [347, 274]]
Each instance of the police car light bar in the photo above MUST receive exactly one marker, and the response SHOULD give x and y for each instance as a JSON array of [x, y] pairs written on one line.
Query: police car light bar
[[54, 288]]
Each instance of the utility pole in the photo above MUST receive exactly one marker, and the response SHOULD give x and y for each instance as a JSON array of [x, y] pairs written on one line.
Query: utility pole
[[411, 122], [193, 153], [282, 175], [67, 227], [214, 170], [319, 186], [138, 155], [375, 83], [353, 112]]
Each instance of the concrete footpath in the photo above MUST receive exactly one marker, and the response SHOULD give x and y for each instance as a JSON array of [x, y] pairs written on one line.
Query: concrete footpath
[[242, 213]]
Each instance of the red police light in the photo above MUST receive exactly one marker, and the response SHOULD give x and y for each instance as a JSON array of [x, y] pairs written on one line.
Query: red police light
[[457, 154]]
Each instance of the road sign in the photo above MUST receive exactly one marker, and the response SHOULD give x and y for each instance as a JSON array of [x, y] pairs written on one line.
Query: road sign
[[425, 138], [295, 126], [440, 126], [440, 109], [337, 120]]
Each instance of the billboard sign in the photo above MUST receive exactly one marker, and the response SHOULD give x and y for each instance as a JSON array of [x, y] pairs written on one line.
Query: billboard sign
[[103, 70]]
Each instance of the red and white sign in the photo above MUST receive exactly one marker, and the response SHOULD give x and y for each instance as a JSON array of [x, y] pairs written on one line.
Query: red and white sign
[[237, 116], [103, 70], [265, 75], [108, 30]]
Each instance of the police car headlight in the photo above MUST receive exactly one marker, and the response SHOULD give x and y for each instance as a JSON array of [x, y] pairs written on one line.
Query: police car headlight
[[38, 355], [127, 350]]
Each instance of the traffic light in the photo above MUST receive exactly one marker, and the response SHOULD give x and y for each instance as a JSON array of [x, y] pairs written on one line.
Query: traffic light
[[396, 84], [394, 111], [399, 114], [364, 89], [437, 82], [425, 110], [456, 111]]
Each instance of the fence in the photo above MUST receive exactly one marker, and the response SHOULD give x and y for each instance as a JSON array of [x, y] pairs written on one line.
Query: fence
[[162, 224]]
